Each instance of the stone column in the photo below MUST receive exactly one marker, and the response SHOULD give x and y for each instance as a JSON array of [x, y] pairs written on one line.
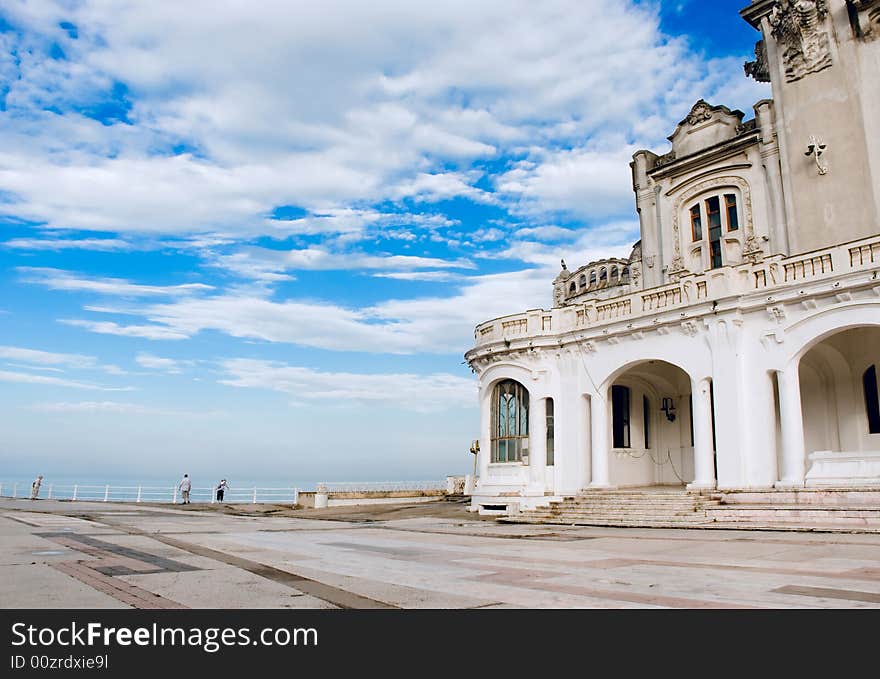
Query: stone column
[[792, 424], [485, 453], [704, 455], [537, 444], [599, 440]]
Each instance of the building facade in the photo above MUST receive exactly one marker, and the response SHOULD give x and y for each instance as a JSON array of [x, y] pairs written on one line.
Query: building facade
[[738, 347]]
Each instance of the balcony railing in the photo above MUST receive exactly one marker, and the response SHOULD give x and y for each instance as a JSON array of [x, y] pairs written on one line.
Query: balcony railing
[[773, 272]]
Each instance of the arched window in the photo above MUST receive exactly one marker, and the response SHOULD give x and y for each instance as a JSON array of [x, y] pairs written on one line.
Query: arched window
[[716, 213], [573, 288], [872, 399], [592, 278], [613, 273], [551, 442], [510, 421], [583, 281], [624, 275], [603, 275]]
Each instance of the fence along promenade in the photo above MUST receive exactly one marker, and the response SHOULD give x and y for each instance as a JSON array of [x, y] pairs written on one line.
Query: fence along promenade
[[166, 494]]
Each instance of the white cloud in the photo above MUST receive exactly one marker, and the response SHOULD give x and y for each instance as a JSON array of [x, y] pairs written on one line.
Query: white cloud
[[153, 332], [57, 279], [45, 380], [326, 108], [47, 358], [94, 407], [423, 393], [166, 365], [56, 244]]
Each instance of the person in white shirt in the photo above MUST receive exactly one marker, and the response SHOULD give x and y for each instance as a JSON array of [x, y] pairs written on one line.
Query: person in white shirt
[[35, 487], [221, 489], [185, 486]]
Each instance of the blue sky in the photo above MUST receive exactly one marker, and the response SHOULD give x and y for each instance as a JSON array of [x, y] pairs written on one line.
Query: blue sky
[[253, 239]]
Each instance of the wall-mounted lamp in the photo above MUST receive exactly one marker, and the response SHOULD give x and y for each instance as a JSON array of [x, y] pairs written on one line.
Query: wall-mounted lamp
[[815, 148], [475, 448], [668, 408]]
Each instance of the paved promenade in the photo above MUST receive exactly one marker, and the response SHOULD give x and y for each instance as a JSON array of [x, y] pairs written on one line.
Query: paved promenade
[[432, 555]]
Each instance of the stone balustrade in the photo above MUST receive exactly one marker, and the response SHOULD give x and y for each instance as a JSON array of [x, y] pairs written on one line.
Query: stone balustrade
[[776, 272]]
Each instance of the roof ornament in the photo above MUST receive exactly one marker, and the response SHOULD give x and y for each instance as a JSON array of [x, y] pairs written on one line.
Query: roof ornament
[[564, 268]]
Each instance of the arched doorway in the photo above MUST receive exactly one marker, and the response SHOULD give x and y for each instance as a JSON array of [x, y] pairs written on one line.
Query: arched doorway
[[840, 407], [651, 436]]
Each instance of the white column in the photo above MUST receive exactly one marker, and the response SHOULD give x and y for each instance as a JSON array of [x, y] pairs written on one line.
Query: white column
[[599, 440], [704, 462], [485, 453], [537, 444], [792, 425]]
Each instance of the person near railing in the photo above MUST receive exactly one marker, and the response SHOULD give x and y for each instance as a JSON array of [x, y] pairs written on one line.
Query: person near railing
[[185, 486], [221, 489], [35, 487]]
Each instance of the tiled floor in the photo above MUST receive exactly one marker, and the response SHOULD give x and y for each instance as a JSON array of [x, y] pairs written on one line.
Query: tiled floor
[[89, 555]]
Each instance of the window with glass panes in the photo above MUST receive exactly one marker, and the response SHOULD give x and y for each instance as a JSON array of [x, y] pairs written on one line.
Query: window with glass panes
[[510, 422], [715, 213], [551, 443]]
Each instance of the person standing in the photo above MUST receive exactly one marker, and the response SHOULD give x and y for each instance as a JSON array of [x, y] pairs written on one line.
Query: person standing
[[185, 486], [221, 489], [35, 487]]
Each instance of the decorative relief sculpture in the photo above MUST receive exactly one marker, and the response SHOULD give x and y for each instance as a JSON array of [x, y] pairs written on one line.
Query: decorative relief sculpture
[[701, 112], [759, 69], [799, 30]]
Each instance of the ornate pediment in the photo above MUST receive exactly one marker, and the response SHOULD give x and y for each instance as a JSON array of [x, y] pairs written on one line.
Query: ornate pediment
[[704, 126], [799, 28]]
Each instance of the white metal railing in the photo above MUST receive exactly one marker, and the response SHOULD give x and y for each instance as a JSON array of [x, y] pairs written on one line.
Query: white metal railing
[[142, 493], [172, 494]]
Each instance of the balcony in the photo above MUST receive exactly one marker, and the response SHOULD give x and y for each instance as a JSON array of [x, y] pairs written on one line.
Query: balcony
[[773, 273]]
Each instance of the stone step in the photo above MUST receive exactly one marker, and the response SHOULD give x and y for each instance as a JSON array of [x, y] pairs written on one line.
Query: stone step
[[777, 514], [621, 516]]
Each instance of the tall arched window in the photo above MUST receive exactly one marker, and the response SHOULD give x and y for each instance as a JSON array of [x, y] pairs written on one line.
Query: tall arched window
[[624, 275], [573, 288], [510, 421], [613, 273], [592, 278], [582, 281], [872, 399], [603, 275], [719, 214]]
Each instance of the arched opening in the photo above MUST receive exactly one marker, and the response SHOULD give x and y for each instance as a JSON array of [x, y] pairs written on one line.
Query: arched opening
[[509, 432], [573, 288], [582, 281], [651, 435], [613, 274], [624, 275], [603, 275], [839, 407], [592, 278]]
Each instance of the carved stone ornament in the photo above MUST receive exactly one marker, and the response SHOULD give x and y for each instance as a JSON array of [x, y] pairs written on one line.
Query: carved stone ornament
[[701, 112], [799, 30], [759, 69]]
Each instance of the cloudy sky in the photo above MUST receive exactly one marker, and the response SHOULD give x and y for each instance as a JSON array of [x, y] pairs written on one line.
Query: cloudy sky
[[252, 239]]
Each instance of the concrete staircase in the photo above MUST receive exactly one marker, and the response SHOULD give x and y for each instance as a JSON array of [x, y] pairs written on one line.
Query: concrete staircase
[[826, 510], [659, 508]]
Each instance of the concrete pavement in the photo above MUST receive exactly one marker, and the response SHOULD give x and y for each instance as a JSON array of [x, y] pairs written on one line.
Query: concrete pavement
[[56, 554]]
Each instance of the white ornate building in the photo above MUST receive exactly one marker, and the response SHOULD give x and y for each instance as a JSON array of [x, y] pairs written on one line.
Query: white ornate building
[[738, 347]]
